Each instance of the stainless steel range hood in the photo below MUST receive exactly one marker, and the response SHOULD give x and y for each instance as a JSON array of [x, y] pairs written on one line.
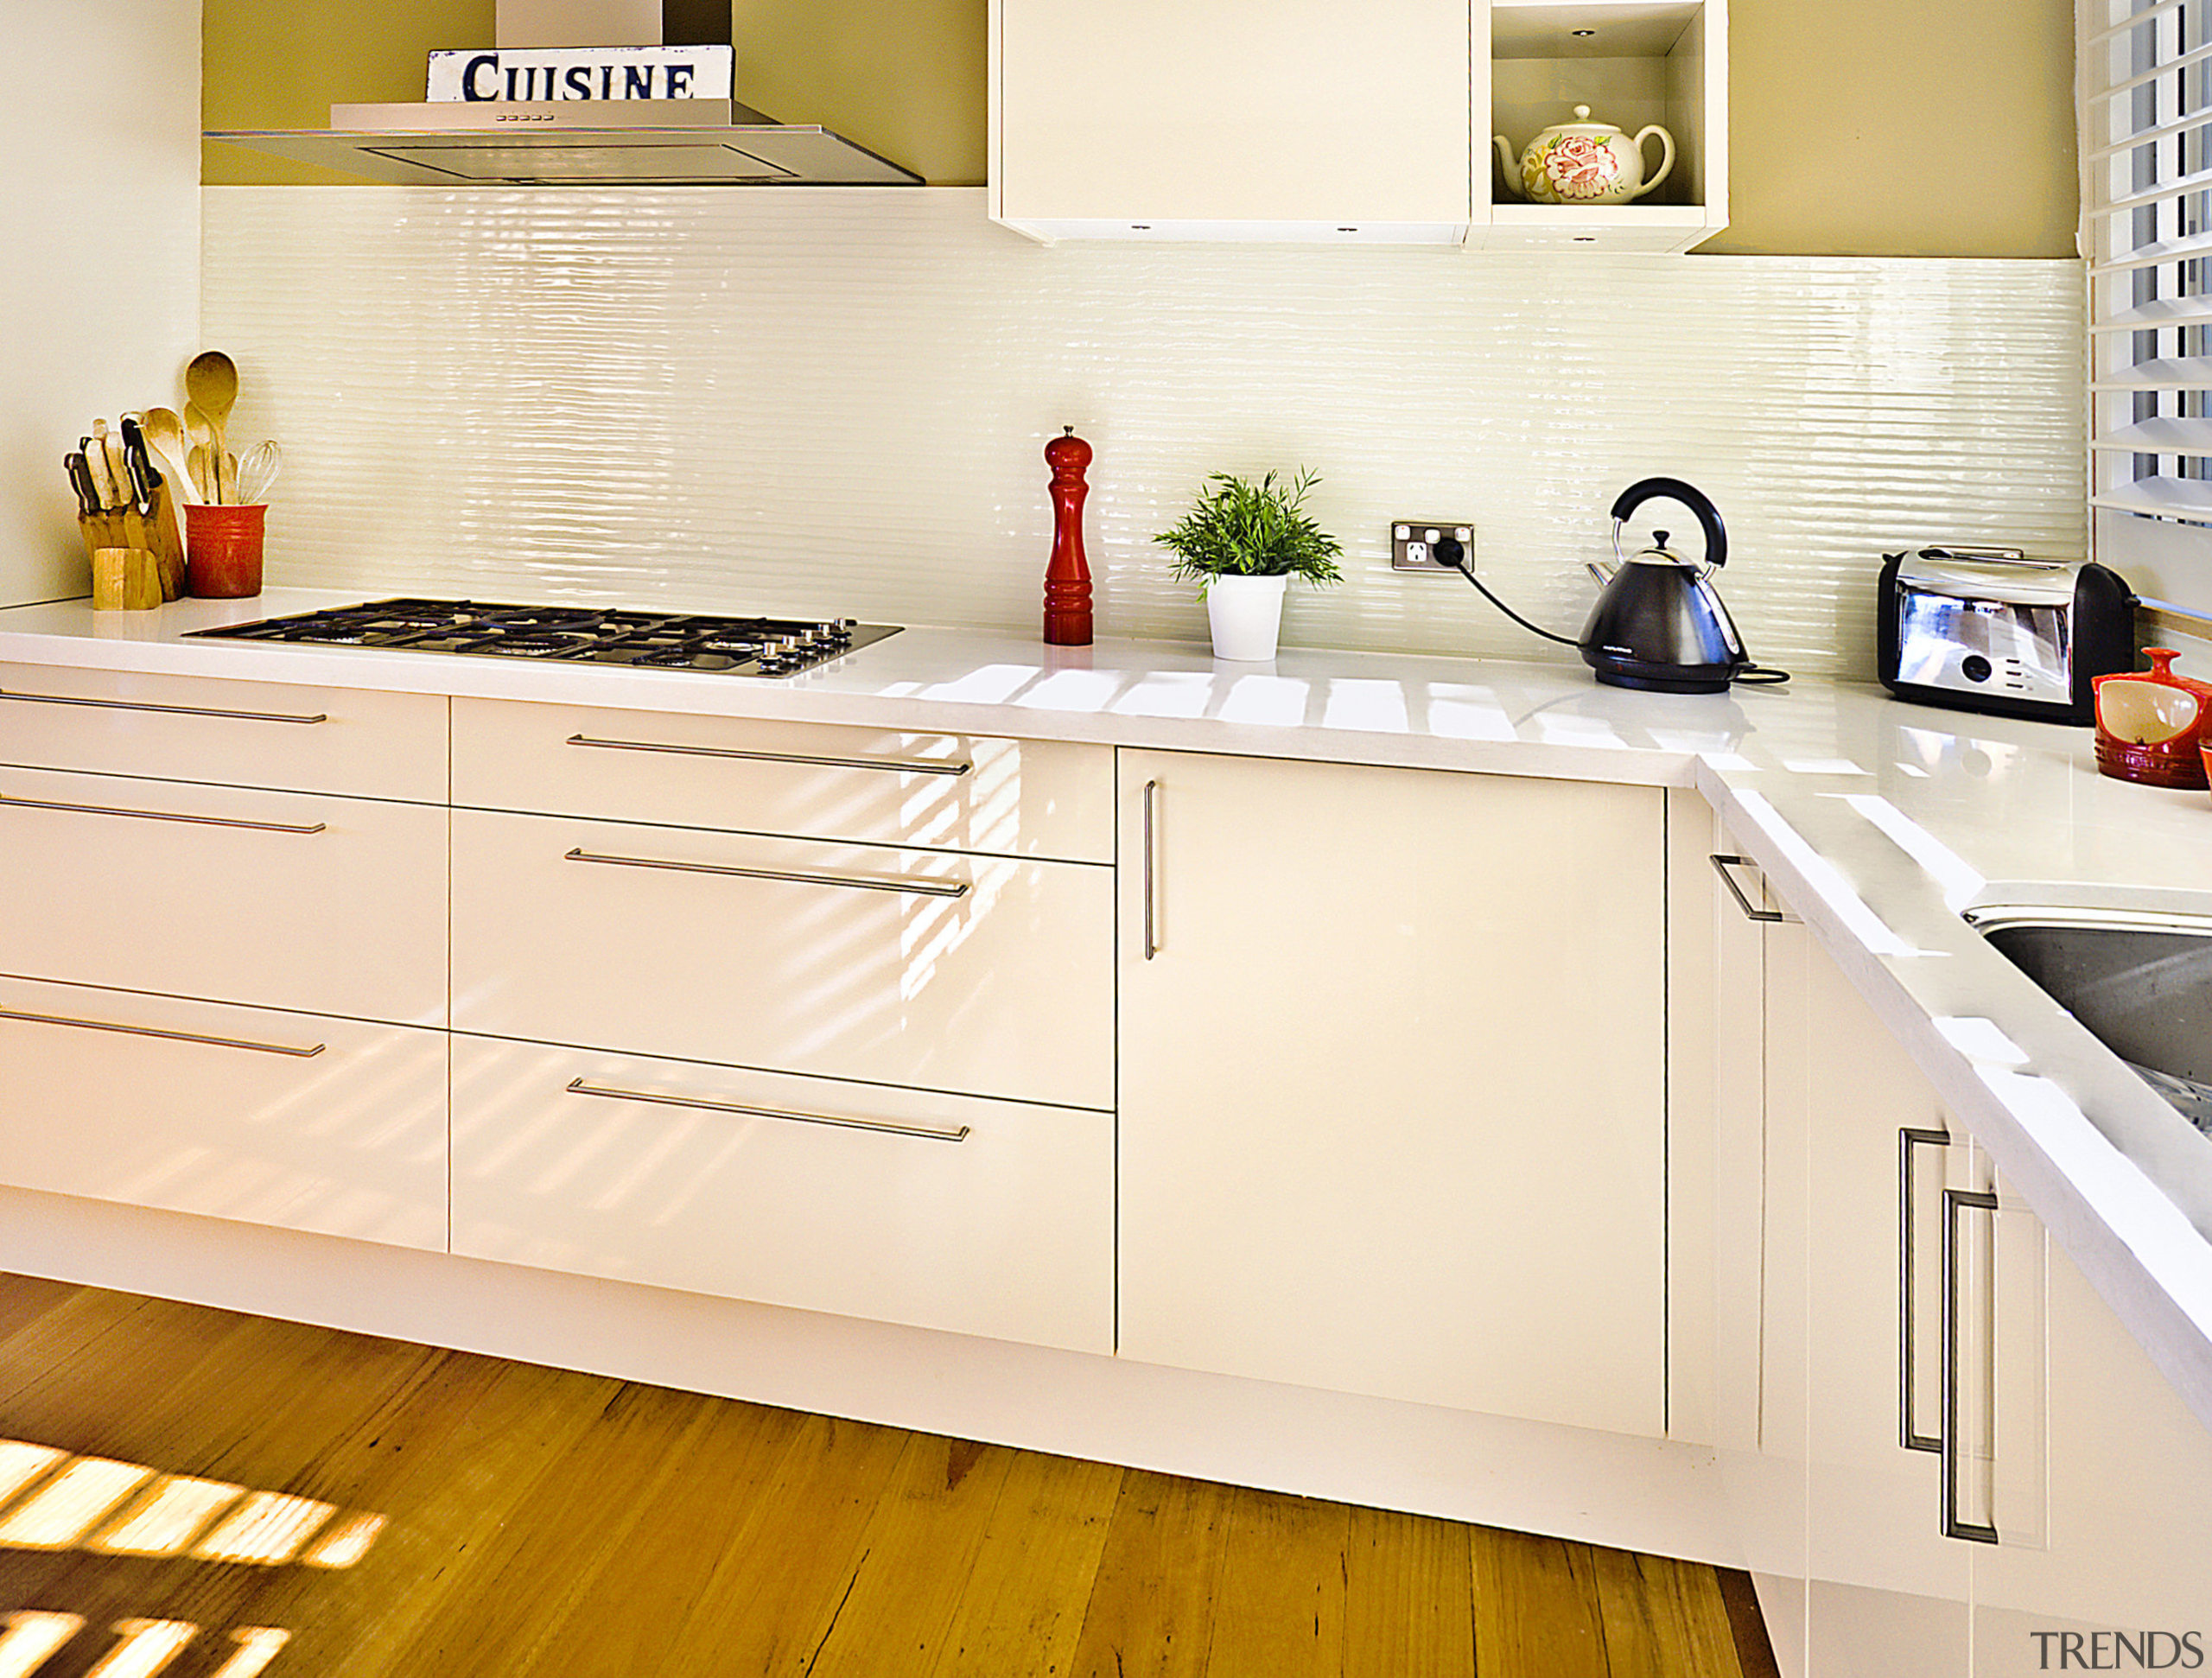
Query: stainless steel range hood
[[583, 142]]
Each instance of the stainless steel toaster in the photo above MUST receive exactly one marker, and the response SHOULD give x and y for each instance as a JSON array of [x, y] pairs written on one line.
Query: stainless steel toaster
[[1988, 629]]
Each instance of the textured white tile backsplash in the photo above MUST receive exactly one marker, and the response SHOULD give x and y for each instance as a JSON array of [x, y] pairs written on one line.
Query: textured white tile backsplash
[[837, 401]]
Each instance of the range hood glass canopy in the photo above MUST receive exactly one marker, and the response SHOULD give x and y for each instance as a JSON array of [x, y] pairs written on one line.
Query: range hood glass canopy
[[582, 142]]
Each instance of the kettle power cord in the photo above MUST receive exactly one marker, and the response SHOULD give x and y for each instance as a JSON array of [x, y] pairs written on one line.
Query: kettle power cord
[[1450, 550]]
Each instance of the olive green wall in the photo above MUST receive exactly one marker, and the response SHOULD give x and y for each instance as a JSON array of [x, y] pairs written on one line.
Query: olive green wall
[[1882, 128], [904, 77]]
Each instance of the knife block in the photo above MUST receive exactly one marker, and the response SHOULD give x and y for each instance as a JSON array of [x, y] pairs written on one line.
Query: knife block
[[125, 579], [154, 533]]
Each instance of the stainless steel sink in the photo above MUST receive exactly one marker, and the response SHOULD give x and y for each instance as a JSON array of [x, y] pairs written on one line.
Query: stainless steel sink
[[2141, 983]]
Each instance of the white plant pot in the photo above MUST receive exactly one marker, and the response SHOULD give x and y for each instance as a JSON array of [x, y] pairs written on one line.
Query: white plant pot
[[1246, 615]]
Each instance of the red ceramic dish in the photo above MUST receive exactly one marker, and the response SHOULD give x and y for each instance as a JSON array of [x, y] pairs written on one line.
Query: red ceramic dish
[[2153, 727]]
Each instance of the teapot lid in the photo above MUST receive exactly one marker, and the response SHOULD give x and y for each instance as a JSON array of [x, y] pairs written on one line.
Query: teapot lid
[[1582, 121]]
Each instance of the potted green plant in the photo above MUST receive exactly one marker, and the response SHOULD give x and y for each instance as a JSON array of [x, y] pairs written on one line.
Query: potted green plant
[[1243, 543]]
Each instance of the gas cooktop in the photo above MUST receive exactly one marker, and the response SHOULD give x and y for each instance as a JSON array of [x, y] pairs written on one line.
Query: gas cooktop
[[572, 634]]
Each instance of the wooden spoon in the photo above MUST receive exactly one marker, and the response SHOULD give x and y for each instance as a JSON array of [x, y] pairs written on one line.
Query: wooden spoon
[[211, 383], [165, 437], [202, 459]]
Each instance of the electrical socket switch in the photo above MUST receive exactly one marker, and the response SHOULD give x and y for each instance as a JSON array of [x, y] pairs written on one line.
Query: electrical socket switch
[[1413, 543]]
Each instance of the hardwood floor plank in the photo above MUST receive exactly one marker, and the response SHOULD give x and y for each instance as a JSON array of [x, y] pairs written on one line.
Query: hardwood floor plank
[[24, 1300], [528, 1574], [1151, 1611], [1754, 1646], [636, 1609], [1279, 1611], [1662, 1617], [916, 1556], [1537, 1609], [778, 1588], [1022, 1608], [501, 1428], [59, 1348], [1408, 1598]]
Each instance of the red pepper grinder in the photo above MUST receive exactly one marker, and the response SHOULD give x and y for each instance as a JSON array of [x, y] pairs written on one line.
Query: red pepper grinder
[[1067, 578]]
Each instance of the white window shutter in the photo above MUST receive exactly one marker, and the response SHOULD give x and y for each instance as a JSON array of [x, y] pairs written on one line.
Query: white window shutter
[[2144, 77]]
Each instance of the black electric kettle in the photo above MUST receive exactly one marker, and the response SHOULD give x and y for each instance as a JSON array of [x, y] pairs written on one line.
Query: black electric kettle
[[1659, 624]]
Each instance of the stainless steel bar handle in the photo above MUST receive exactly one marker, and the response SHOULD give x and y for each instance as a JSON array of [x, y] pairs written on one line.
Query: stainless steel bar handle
[[172, 710], [1955, 1202], [1908, 1362], [1720, 866], [166, 815], [928, 1133], [896, 766], [1151, 800], [151, 1031], [856, 882]]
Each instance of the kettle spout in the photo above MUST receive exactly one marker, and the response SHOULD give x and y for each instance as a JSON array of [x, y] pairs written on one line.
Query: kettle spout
[[1603, 571], [1505, 156]]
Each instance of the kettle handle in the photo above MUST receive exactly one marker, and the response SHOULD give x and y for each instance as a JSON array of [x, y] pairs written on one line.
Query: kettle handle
[[1674, 489]]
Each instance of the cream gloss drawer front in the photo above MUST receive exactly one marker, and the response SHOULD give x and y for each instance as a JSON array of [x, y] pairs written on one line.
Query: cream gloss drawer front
[[276, 900], [983, 1218], [985, 974], [246, 733], [295, 1119], [945, 791]]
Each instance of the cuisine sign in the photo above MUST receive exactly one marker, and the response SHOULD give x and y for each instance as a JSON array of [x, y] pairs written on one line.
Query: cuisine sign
[[610, 74]]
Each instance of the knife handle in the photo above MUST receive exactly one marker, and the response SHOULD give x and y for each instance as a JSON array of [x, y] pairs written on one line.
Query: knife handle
[[80, 480], [144, 481], [119, 468], [105, 491]]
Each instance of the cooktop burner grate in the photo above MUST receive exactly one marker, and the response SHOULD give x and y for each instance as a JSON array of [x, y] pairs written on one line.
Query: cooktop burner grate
[[731, 647]]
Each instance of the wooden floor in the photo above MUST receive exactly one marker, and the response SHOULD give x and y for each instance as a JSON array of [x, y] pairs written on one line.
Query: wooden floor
[[197, 1493]]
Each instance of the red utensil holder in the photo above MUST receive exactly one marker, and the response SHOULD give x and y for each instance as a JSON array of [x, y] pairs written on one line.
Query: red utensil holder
[[222, 550]]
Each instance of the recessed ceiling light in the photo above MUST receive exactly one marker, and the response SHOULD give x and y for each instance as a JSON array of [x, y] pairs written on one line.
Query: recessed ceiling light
[[1584, 31]]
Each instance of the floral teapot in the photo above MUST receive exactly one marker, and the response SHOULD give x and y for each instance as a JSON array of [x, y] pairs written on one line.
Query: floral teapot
[[1584, 163]]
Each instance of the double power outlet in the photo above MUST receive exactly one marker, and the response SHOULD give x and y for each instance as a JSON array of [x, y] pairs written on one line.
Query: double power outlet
[[1413, 543]]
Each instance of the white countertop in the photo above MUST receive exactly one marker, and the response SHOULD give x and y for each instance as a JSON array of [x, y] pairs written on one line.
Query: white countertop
[[1876, 821]]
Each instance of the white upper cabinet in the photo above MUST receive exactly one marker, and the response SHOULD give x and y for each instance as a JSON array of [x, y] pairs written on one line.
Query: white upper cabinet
[[1226, 119], [1653, 63]]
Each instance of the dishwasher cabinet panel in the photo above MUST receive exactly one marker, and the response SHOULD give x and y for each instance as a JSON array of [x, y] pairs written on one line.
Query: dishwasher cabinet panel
[[1393, 1115], [299, 1121], [1009, 797], [304, 901], [986, 975], [978, 1216]]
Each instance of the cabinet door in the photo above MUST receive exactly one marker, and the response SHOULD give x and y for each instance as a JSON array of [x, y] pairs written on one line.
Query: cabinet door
[[1010, 797], [1229, 118], [301, 1121], [2131, 1514], [247, 734], [1924, 1318], [984, 975], [978, 1216], [275, 899], [1883, 1578], [1760, 1192], [1392, 1068]]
